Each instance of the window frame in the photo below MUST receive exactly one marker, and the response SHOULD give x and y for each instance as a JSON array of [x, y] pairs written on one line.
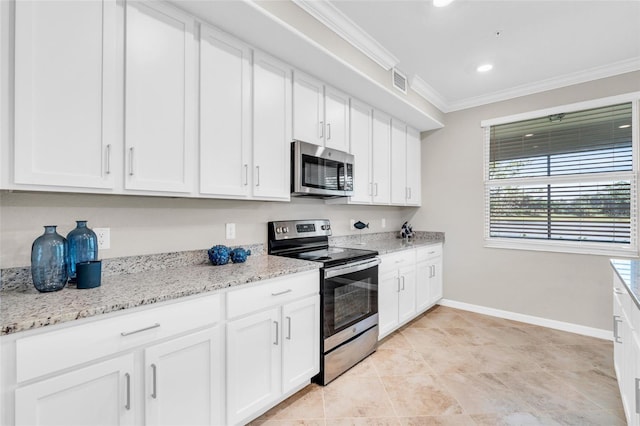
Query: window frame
[[579, 247]]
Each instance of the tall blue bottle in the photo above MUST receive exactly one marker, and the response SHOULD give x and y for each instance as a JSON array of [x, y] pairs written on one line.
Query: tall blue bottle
[[49, 261], [83, 247]]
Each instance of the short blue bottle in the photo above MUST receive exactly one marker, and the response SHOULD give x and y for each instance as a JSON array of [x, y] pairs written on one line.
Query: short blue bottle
[[83, 247], [49, 261]]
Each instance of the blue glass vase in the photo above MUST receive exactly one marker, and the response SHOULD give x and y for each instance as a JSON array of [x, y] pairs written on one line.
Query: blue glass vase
[[83, 247], [49, 261]]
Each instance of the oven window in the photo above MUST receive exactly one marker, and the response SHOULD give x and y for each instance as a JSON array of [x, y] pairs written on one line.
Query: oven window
[[349, 299], [321, 173]]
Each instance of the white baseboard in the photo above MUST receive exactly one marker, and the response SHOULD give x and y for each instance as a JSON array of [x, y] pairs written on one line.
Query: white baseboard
[[529, 319]]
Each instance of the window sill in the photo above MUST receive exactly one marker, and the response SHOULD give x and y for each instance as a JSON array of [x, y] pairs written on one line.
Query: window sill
[[562, 247]]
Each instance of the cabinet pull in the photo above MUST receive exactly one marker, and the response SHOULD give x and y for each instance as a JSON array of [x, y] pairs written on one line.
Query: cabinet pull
[[617, 291], [638, 395], [127, 378], [108, 168], [322, 129], [128, 333], [328, 131], [246, 174], [277, 336], [376, 187], [403, 277], [282, 292], [398, 284], [154, 391], [409, 192], [288, 328], [616, 320], [131, 161], [257, 175], [370, 189]]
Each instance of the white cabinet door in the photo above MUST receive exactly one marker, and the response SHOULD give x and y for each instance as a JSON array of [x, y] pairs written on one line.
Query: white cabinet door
[[100, 394], [65, 93], [308, 109], [253, 364], [225, 114], [407, 294], [435, 280], [399, 190], [423, 281], [414, 169], [360, 126], [160, 95], [388, 289], [300, 342], [381, 161], [337, 119], [271, 128], [184, 380]]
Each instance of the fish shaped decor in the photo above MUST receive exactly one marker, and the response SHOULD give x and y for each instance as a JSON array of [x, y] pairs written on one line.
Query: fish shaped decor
[[360, 225], [219, 255]]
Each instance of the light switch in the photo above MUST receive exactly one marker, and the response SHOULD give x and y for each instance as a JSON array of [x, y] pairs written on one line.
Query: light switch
[[231, 231]]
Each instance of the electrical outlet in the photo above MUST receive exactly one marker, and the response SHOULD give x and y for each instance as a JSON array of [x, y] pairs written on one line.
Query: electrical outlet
[[104, 237], [383, 223], [231, 231]]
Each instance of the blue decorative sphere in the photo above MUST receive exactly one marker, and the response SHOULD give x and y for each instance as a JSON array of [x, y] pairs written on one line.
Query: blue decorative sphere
[[219, 255], [239, 255]]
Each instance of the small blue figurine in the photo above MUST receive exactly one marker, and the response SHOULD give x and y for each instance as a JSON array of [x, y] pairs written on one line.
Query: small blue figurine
[[360, 225], [406, 231], [239, 255], [219, 255]]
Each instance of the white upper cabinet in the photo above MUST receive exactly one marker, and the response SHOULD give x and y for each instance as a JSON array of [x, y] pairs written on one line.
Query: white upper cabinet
[[381, 158], [414, 169], [271, 128], [361, 123], [65, 94], [160, 98], [321, 113], [225, 114], [399, 192]]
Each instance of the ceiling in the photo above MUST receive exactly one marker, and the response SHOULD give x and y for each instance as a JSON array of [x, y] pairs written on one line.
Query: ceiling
[[533, 45]]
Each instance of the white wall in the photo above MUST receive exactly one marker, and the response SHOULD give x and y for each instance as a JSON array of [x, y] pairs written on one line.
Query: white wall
[[563, 287], [144, 225]]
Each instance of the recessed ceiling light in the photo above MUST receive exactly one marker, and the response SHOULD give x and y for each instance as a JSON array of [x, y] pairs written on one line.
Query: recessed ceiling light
[[624, 126], [441, 3], [484, 68], [528, 135]]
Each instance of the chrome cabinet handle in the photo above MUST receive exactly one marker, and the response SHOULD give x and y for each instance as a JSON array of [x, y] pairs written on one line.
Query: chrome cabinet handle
[[617, 291], [128, 333], [616, 320], [370, 189], [257, 175], [131, 161], [403, 283], [409, 192], [108, 168], [282, 292], [638, 395], [322, 129], [398, 278], [128, 379], [246, 174], [376, 186], [328, 131], [288, 328], [277, 336], [154, 391]]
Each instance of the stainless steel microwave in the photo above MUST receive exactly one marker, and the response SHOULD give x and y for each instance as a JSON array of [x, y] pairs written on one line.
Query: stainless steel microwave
[[321, 172]]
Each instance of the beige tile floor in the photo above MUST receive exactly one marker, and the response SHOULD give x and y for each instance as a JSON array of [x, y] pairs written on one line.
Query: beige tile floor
[[452, 367]]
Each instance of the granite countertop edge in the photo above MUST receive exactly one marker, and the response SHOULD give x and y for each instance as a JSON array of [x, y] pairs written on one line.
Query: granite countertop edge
[[631, 283]]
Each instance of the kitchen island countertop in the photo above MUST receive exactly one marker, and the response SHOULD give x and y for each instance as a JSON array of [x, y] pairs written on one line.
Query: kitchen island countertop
[[629, 273]]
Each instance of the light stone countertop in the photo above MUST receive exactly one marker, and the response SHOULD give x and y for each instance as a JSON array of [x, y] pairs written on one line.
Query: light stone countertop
[[629, 273], [28, 309], [389, 245]]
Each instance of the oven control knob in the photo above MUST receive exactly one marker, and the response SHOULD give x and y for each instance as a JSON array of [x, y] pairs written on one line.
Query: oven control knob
[[325, 227], [278, 230], [285, 229]]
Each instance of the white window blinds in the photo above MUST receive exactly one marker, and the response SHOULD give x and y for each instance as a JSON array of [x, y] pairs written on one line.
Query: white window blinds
[[563, 180]]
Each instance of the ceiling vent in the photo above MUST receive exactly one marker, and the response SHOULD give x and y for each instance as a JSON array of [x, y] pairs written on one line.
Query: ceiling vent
[[399, 81]]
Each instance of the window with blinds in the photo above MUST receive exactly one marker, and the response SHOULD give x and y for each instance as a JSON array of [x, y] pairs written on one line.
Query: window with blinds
[[564, 181]]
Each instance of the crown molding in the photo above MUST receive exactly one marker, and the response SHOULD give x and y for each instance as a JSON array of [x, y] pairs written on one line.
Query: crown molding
[[610, 70], [339, 23], [430, 94]]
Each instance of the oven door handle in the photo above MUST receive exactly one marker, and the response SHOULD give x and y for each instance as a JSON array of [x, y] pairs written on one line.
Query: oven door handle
[[351, 267]]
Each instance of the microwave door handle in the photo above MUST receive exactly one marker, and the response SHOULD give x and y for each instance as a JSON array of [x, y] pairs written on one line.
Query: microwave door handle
[[351, 268]]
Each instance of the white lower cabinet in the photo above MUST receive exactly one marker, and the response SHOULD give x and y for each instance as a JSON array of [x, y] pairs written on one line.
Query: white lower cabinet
[[626, 350], [273, 346], [99, 394], [410, 282]]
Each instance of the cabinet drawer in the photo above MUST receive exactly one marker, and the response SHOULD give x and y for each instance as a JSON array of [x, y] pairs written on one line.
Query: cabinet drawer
[[428, 252], [271, 293], [54, 350], [393, 261]]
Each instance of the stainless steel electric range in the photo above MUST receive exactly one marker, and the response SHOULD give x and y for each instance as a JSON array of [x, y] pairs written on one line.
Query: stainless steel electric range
[[348, 292]]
